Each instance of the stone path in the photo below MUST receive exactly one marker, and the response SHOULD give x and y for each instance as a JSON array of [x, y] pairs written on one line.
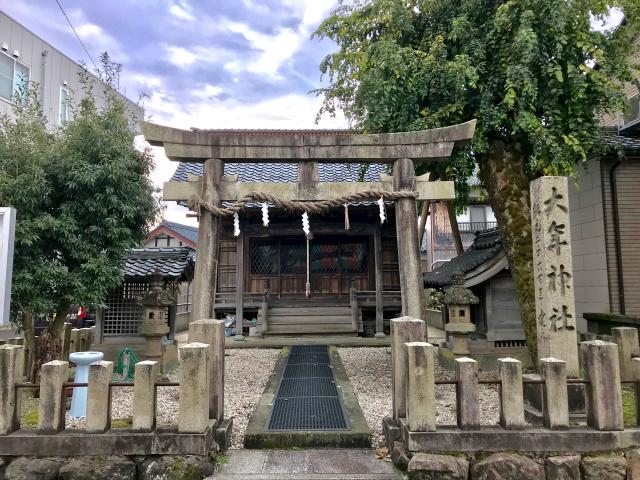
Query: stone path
[[325, 464]]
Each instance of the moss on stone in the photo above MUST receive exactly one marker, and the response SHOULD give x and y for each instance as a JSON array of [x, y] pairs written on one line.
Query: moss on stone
[[31, 418], [121, 423], [181, 470], [220, 459], [629, 406]]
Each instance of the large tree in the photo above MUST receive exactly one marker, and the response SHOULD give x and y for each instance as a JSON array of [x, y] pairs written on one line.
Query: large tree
[[83, 198], [534, 73]]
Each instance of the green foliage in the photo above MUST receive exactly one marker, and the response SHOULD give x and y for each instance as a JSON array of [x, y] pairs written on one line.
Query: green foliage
[[530, 71], [82, 194]]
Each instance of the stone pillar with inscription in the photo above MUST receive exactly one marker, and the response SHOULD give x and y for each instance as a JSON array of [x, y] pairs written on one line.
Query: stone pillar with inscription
[[553, 272]]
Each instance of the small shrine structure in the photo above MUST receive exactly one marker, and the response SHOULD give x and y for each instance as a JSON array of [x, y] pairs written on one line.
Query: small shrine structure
[[148, 273], [303, 229]]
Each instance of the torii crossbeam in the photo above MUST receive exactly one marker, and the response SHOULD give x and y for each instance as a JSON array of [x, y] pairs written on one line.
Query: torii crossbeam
[[307, 148]]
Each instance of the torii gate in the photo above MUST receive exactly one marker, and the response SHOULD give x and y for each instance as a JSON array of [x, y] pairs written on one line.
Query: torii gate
[[307, 148]]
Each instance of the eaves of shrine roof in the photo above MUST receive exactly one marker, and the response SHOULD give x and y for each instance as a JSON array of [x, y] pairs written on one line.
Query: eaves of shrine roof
[[628, 143], [285, 172], [486, 253], [174, 263]]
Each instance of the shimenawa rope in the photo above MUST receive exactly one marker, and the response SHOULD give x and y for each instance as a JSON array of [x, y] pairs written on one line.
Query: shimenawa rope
[[196, 203]]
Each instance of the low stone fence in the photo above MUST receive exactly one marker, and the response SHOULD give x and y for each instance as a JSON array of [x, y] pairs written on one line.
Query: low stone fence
[[412, 429], [73, 340], [200, 423]]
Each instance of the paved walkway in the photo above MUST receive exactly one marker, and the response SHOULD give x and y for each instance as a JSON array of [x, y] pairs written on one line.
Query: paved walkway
[[329, 464]]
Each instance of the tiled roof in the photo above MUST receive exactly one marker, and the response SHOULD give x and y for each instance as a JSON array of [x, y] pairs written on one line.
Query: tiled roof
[[187, 231], [628, 143], [487, 244], [284, 172], [175, 263]]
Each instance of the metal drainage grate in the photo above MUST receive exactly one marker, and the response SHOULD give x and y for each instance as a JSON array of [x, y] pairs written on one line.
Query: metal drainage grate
[[307, 413], [307, 398], [307, 387], [295, 358]]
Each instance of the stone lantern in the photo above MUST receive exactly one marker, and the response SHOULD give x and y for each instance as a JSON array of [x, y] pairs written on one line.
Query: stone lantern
[[458, 299], [154, 324]]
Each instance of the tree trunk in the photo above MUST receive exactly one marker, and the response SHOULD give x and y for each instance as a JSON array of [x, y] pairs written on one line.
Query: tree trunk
[[455, 229], [29, 345], [503, 173]]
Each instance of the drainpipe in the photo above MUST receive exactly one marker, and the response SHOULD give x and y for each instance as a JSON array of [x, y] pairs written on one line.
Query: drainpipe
[[616, 231], [43, 79]]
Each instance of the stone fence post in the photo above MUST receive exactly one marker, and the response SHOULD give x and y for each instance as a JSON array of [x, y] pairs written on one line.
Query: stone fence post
[[21, 359], [603, 390], [421, 387], [511, 394], [403, 330], [53, 400], [555, 409], [74, 342], [66, 340], [211, 332], [193, 408], [467, 393], [99, 397], [628, 346], [144, 395], [8, 402]]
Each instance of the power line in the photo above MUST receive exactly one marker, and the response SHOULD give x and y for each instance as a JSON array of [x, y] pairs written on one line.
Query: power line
[[77, 36]]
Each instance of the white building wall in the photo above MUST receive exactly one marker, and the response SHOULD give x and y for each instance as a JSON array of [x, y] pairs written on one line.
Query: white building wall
[[588, 243], [49, 68], [161, 241]]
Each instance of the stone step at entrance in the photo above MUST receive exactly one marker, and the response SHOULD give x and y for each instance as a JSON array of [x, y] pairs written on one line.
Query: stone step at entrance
[[310, 319], [325, 464], [308, 402]]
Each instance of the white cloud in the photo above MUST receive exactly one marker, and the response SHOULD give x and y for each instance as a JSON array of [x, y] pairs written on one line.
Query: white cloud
[[208, 91], [180, 56], [180, 12], [277, 49], [290, 111]]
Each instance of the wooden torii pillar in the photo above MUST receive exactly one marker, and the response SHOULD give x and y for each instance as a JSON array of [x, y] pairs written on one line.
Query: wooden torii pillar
[[214, 147]]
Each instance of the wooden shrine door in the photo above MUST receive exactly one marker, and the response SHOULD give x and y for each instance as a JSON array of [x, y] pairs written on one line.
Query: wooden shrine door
[[333, 262]]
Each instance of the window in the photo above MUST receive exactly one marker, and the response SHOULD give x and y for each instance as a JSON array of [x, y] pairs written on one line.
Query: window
[[63, 115], [6, 77], [327, 257], [14, 77]]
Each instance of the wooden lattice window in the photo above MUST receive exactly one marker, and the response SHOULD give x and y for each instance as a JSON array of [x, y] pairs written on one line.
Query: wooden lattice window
[[328, 256], [123, 313]]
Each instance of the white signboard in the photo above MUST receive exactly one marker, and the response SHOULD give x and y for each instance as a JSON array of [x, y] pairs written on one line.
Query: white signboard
[[7, 236]]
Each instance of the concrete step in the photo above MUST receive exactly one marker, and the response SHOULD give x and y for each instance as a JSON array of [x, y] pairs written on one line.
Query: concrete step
[[325, 464]]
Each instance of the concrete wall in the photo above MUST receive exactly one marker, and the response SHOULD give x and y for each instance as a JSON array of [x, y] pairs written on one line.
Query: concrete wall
[[48, 67], [589, 245]]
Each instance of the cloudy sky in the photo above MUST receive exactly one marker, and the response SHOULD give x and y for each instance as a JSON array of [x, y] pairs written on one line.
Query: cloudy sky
[[207, 64]]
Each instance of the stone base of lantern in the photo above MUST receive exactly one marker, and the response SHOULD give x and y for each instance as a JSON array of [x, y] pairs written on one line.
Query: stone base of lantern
[[459, 332], [111, 347], [484, 352]]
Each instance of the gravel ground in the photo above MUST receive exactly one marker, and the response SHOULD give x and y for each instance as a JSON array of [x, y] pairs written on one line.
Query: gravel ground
[[369, 370], [246, 374]]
